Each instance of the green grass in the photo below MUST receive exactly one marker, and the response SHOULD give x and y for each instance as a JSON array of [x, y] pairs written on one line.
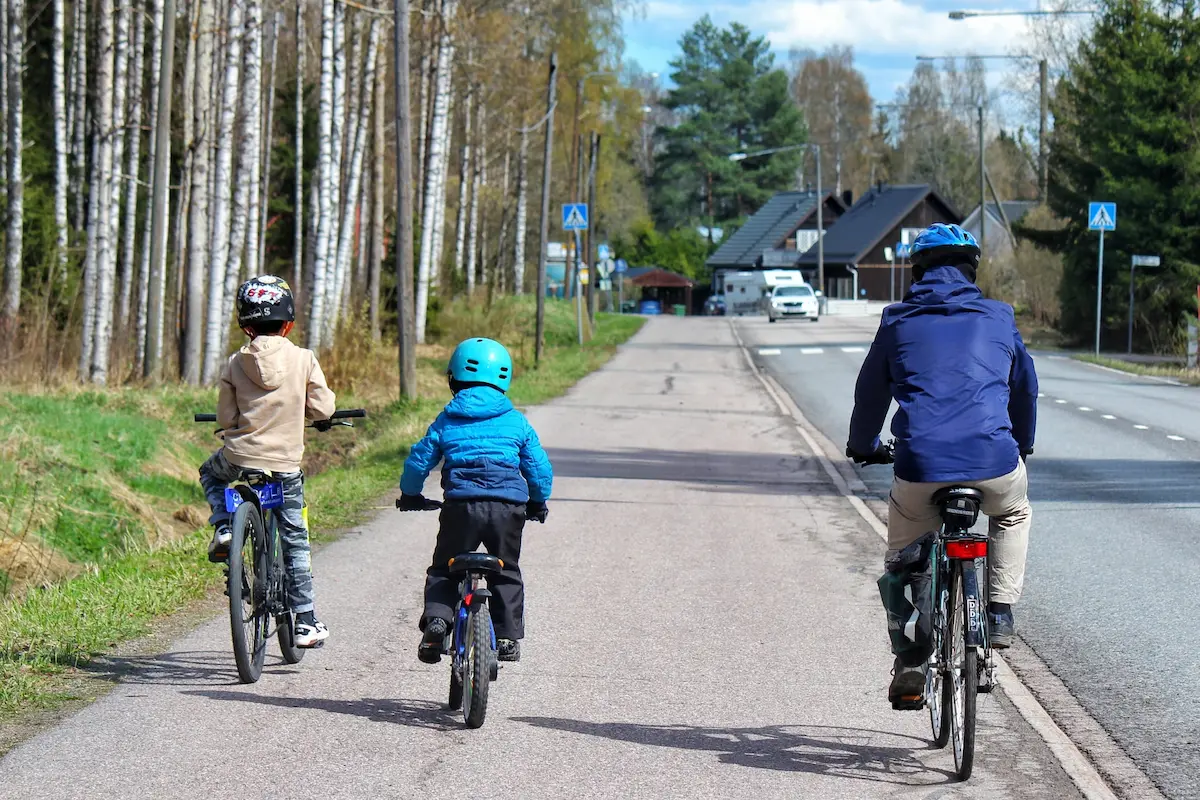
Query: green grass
[[1182, 374], [85, 455]]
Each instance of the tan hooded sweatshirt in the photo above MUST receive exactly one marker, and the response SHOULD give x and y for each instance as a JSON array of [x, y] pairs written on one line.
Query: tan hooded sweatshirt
[[268, 389]]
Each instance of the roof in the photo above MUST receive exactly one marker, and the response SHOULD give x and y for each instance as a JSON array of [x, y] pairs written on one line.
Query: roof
[[781, 215], [1014, 210], [656, 278], [874, 216]]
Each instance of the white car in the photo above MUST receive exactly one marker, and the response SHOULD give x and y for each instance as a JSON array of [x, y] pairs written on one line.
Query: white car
[[793, 301]]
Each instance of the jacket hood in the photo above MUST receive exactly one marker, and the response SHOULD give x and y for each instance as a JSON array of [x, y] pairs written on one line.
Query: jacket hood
[[478, 402], [264, 360], [942, 285]]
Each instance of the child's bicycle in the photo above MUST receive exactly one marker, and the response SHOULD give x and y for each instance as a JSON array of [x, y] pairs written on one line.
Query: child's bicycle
[[471, 640], [256, 575]]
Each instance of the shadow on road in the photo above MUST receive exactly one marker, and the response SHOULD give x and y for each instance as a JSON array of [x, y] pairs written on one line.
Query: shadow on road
[[187, 668], [411, 713], [765, 473], [816, 749]]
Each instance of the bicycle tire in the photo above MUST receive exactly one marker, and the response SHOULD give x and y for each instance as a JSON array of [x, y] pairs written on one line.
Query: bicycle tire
[[477, 668], [248, 615], [966, 685], [285, 623], [941, 690]]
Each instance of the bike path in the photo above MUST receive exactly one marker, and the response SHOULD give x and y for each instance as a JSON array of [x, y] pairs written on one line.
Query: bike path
[[702, 620]]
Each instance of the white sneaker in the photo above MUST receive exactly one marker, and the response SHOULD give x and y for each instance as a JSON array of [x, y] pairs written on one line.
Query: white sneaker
[[313, 635]]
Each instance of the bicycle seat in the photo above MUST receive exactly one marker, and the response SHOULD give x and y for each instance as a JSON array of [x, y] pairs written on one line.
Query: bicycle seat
[[959, 505], [475, 562]]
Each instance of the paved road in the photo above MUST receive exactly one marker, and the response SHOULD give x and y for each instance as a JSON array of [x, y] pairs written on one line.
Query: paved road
[[1111, 602], [703, 623]]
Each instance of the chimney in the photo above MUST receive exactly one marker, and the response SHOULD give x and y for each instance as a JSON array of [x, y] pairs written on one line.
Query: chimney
[[848, 198]]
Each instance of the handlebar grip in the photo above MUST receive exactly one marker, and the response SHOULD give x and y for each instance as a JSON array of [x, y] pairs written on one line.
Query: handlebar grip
[[350, 413], [205, 417]]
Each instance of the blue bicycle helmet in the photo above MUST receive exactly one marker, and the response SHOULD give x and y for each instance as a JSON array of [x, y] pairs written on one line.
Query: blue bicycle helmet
[[944, 245], [481, 361]]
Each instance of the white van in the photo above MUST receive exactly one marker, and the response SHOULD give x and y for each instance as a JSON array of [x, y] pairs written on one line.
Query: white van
[[749, 292]]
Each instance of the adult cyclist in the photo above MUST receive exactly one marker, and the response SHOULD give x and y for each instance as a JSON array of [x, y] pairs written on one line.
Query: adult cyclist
[[966, 392]]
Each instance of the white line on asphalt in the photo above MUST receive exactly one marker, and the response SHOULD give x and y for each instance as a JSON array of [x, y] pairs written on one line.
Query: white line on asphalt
[[1142, 427], [811, 351], [1061, 402], [768, 352], [1041, 394], [1108, 416], [1175, 438], [1084, 408], [854, 349]]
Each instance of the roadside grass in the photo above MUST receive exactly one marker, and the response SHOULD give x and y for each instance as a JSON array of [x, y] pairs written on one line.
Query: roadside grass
[[1191, 377], [102, 521]]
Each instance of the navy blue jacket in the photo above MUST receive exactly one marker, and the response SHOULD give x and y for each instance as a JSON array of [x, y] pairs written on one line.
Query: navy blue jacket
[[965, 385], [491, 452]]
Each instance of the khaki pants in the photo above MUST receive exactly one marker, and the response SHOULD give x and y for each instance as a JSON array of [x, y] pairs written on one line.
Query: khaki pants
[[911, 515]]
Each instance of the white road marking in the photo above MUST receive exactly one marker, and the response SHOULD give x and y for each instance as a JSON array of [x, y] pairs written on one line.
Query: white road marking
[[1084, 408], [1175, 438], [1041, 394], [1061, 402], [1108, 416], [854, 349], [811, 351], [1142, 427], [768, 352]]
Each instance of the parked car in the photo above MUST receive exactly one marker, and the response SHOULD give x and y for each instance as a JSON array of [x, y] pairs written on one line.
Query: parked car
[[714, 306], [793, 301], [650, 307]]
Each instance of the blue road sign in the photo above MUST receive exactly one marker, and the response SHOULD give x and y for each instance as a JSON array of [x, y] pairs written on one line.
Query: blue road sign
[[575, 217], [603, 252], [902, 250], [620, 265], [1102, 216]]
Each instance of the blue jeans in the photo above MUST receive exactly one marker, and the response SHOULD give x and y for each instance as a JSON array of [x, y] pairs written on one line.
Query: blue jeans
[[215, 476]]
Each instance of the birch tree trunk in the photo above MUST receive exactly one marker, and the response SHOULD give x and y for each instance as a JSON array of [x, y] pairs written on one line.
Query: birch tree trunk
[[375, 259], [100, 223], [119, 122], [4, 66], [197, 251], [336, 176], [435, 202], [316, 317], [269, 144], [143, 282], [464, 180], [298, 223], [476, 186], [423, 122], [133, 163], [254, 61], [245, 192], [518, 271], [16, 182], [60, 138], [77, 109], [218, 313]]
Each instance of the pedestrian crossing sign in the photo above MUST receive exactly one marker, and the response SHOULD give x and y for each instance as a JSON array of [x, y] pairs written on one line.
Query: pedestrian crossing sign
[[1102, 216], [575, 217]]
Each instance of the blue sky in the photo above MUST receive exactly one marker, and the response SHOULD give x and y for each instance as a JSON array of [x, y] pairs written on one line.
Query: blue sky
[[886, 34]]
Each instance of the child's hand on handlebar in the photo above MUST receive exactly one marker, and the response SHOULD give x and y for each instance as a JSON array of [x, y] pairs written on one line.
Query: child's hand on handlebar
[[417, 502], [536, 511]]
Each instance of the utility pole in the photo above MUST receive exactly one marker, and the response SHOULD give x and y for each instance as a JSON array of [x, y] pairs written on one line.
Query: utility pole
[[982, 191], [158, 219], [820, 235], [404, 211], [547, 157], [1043, 167], [593, 224]]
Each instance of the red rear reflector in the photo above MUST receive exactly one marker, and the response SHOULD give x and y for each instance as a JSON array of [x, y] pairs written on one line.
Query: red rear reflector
[[467, 599], [966, 549]]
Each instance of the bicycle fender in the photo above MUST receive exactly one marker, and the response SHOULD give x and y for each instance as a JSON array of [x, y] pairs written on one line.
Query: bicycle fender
[[975, 633], [479, 596]]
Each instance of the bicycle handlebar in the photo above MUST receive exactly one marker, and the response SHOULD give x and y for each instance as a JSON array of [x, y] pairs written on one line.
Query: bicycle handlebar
[[345, 413]]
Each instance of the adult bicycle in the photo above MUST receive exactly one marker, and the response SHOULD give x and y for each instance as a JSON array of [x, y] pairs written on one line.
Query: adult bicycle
[[256, 576]]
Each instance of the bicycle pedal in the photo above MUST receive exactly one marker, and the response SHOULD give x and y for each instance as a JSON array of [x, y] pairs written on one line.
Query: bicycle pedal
[[909, 703]]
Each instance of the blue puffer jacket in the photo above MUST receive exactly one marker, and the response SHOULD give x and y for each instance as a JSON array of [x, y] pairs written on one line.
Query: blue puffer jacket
[[491, 452], [965, 385]]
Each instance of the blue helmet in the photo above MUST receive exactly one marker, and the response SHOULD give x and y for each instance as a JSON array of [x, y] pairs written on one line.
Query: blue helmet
[[943, 244], [482, 361]]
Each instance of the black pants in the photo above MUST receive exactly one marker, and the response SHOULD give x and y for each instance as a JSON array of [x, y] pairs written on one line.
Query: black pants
[[464, 526]]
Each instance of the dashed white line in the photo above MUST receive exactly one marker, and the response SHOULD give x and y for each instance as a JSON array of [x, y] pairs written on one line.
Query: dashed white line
[[1041, 394], [854, 349], [1142, 427], [768, 352], [1175, 438], [811, 351], [1108, 416], [1061, 402], [1084, 408]]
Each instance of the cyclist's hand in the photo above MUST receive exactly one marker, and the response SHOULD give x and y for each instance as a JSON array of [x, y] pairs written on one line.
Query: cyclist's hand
[[1025, 454], [417, 502], [536, 511], [323, 424], [881, 455]]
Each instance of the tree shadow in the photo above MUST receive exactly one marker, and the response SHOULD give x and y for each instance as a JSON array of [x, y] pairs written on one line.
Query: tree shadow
[[835, 752], [410, 713]]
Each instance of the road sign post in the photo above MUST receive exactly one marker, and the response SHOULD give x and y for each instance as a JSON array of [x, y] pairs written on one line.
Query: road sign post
[[1137, 261], [1101, 217]]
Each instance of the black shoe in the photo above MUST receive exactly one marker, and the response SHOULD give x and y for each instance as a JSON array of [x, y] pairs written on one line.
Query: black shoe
[[218, 548], [508, 650], [433, 640], [1000, 629], [907, 690]]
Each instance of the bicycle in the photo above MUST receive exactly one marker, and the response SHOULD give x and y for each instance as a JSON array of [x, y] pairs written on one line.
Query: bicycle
[[471, 640], [256, 577]]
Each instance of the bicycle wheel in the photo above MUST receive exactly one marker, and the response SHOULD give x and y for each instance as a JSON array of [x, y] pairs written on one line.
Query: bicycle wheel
[[963, 675], [939, 690], [285, 624], [249, 616], [477, 668]]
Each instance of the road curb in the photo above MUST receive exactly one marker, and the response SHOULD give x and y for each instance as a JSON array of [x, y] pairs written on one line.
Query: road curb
[[1082, 772]]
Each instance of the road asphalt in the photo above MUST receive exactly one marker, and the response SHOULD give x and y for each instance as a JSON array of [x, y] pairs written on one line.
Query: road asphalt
[[702, 618]]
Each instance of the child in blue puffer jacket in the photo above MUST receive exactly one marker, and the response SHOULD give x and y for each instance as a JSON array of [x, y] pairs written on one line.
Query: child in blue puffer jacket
[[496, 476]]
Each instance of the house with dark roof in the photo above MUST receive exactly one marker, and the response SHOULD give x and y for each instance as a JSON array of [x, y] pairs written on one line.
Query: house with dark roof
[[997, 224], [778, 233], [855, 245]]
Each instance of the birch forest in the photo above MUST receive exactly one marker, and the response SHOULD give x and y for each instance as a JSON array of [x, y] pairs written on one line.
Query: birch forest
[[280, 154]]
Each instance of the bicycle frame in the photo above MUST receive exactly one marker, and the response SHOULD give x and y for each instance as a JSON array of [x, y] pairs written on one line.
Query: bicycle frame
[[268, 496]]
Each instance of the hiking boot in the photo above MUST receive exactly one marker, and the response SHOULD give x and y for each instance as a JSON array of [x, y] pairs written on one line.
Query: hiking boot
[[1000, 628], [433, 640], [508, 650], [907, 690], [218, 548]]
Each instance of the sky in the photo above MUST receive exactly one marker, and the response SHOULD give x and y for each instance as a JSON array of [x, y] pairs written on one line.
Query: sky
[[886, 35]]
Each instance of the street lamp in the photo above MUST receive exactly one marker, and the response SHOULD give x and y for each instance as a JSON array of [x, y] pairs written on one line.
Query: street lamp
[[816, 148]]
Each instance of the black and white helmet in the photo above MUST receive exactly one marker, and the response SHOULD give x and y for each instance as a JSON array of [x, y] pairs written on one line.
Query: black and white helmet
[[266, 298]]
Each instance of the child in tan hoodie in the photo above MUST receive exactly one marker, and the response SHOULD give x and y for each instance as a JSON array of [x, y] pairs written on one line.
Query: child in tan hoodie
[[267, 391]]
